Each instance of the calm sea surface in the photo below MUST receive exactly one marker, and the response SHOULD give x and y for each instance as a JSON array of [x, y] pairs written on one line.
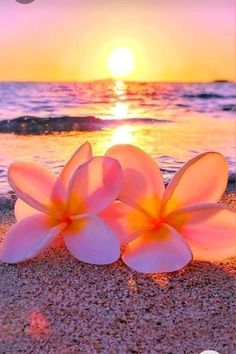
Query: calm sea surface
[[172, 122]]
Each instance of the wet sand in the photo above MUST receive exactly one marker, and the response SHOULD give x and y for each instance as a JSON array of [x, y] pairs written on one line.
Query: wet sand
[[55, 304]]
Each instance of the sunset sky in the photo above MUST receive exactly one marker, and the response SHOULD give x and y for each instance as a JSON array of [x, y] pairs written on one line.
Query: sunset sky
[[72, 40]]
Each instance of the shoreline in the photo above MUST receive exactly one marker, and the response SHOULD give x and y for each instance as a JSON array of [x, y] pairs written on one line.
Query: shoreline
[[56, 304]]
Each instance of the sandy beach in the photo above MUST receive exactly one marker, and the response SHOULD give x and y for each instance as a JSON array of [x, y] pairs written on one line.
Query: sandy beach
[[56, 304]]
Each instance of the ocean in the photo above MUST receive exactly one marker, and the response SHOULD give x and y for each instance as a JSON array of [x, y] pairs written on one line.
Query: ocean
[[46, 122]]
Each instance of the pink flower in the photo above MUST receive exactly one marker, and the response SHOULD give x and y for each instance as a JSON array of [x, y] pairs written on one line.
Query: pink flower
[[68, 205], [165, 228]]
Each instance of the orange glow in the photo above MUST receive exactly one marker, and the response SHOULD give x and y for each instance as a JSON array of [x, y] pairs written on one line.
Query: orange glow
[[123, 135], [38, 325]]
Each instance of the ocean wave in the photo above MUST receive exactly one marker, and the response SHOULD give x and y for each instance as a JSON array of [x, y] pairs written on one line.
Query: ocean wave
[[231, 185], [208, 95], [229, 107], [36, 126]]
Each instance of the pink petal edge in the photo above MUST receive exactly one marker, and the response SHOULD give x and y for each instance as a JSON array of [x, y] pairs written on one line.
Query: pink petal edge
[[203, 179], [27, 238], [209, 229], [82, 154], [32, 183], [22, 210]]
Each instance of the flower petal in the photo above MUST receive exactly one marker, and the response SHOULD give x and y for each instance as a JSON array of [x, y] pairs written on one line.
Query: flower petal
[[210, 230], [94, 186], [32, 183], [22, 210], [91, 240], [127, 222], [143, 185], [27, 238], [82, 154], [159, 251], [202, 180]]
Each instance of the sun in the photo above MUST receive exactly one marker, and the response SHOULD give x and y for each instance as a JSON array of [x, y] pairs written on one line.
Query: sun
[[121, 62]]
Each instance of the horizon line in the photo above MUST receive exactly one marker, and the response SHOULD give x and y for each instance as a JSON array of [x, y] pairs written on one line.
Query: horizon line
[[114, 80]]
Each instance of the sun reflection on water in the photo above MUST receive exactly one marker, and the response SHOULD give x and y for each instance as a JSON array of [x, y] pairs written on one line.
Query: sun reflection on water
[[170, 143], [123, 135], [120, 109], [119, 88]]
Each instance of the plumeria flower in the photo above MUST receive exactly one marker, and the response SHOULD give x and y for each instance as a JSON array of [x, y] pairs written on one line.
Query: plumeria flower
[[68, 204], [165, 228]]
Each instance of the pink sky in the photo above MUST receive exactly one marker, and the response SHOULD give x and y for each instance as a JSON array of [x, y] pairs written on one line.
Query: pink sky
[[172, 40]]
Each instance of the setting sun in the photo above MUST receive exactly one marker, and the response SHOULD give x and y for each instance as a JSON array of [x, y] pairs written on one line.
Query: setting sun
[[121, 62]]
